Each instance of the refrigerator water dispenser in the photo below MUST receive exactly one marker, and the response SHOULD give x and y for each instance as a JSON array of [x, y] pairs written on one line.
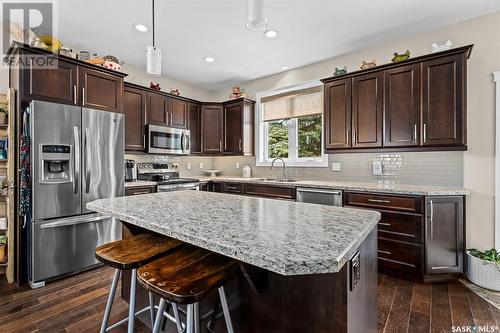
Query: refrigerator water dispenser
[[55, 164]]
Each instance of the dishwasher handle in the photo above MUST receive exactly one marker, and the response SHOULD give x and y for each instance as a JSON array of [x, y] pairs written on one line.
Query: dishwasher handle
[[315, 190]]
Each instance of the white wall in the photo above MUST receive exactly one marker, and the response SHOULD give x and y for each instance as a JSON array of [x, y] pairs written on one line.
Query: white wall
[[485, 59]]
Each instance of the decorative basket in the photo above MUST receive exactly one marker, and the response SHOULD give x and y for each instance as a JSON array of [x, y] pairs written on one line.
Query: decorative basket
[[483, 273]]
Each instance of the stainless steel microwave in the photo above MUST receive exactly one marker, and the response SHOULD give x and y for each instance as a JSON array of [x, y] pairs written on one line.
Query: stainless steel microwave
[[168, 140]]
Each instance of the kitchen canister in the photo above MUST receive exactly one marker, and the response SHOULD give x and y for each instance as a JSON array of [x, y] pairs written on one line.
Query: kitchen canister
[[247, 171]]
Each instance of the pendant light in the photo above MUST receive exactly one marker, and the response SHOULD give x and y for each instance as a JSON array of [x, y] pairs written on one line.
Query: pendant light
[[257, 20], [153, 53]]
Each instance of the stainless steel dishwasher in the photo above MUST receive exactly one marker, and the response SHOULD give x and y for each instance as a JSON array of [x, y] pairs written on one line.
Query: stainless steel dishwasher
[[319, 196]]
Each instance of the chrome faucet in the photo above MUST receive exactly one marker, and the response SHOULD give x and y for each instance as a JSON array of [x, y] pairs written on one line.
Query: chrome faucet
[[283, 172]]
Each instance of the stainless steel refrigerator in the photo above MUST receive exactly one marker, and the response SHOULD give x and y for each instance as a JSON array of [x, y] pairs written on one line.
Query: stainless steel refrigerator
[[77, 156]]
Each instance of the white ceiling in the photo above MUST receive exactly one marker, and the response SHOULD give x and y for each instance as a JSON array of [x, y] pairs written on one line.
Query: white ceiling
[[309, 31]]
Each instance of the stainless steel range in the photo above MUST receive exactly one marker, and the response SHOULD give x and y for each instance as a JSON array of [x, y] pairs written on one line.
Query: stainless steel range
[[166, 178]]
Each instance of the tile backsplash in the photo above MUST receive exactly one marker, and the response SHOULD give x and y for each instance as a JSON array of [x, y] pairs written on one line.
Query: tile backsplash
[[423, 168]]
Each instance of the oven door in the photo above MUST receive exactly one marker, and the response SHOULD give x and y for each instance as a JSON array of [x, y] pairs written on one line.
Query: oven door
[[166, 140]]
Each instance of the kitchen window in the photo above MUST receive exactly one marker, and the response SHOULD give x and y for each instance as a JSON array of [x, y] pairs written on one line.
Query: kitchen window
[[290, 126]]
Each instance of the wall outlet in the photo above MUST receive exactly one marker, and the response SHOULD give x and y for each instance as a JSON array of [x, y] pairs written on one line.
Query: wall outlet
[[377, 169], [237, 165], [188, 166], [336, 167], [201, 165]]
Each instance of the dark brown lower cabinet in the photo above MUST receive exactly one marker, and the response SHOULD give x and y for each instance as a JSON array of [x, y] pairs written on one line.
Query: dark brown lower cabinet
[[137, 190], [444, 235]]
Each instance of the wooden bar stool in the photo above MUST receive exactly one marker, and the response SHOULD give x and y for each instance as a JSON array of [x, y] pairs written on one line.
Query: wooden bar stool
[[186, 276], [132, 253]]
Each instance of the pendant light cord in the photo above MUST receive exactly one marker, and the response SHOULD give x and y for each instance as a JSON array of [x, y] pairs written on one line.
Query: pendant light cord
[[153, 23]]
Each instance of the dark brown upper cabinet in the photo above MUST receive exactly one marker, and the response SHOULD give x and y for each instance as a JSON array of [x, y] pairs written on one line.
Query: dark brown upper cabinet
[[444, 235], [157, 113], [58, 85], [178, 113], [134, 109], [338, 115], [238, 127], [402, 106], [100, 90], [417, 104], [212, 129], [367, 104], [444, 101], [194, 125]]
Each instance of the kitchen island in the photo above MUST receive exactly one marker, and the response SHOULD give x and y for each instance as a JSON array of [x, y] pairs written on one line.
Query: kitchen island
[[305, 267]]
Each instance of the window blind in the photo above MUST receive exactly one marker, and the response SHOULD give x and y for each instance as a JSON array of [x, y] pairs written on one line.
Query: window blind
[[306, 102]]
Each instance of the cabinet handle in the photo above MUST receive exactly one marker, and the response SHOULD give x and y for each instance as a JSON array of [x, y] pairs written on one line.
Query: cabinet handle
[[425, 132], [354, 139], [385, 224], [379, 201], [415, 138], [75, 98], [384, 252], [347, 137], [165, 117], [431, 219], [220, 145], [171, 118], [142, 192], [239, 144], [83, 96]]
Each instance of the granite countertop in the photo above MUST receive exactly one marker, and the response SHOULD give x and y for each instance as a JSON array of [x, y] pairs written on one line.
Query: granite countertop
[[288, 238], [138, 183], [351, 186]]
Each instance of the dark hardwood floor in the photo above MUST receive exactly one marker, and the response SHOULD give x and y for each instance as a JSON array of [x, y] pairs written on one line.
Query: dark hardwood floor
[[76, 304]]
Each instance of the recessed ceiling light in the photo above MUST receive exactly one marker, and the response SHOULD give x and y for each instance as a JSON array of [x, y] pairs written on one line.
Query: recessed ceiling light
[[209, 59], [141, 27], [271, 33], [284, 67]]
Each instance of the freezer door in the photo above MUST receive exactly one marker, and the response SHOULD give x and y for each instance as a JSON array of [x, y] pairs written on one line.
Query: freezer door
[[55, 179], [63, 246], [103, 149]]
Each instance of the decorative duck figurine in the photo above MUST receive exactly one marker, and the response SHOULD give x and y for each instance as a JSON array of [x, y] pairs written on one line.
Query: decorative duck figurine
[[401, 57], [340, 71], [366, 65]]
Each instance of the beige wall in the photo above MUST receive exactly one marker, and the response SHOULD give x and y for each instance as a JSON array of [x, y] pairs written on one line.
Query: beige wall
[[485, 59]]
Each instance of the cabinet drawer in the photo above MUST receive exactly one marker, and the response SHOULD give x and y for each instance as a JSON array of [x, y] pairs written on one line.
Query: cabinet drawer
[[139, 190], [404, 227], [277, 192], [403, 257], [382, 201], [233, 188]]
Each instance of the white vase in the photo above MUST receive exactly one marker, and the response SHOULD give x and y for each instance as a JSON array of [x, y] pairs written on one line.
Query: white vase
[[483, 273]]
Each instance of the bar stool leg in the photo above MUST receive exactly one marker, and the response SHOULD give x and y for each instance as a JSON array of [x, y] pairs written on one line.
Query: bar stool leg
[[109, 304], [190, 310], [152, 308], [131, 306], [177, 317], [225, 309], [159, 316], [196, 315]]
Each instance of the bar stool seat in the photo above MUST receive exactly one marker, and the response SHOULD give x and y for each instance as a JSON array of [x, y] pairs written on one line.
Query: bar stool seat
[[186, 276], [132, 253]]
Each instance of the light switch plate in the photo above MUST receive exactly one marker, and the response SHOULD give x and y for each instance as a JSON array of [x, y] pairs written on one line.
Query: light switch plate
[[237, 165], [377, 169], [201, 165], [188, 166], [336, 166]]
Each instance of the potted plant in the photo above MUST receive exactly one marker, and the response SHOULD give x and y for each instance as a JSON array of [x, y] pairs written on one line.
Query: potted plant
[[3, 242], [483, 268], [4, 113]]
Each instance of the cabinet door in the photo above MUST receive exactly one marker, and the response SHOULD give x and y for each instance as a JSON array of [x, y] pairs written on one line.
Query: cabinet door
[[402, 106], [337, 114], [101, 90], [156, 110], [58, 85], [444, 234], [194, 125], [212, 129], [367, 98], [233, 128], [134, 109], [178, 110], [444, 118]]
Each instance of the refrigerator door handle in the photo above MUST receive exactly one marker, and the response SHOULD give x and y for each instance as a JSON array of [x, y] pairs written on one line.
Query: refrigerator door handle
[[88, 157], [73, 221], [76, 162]]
